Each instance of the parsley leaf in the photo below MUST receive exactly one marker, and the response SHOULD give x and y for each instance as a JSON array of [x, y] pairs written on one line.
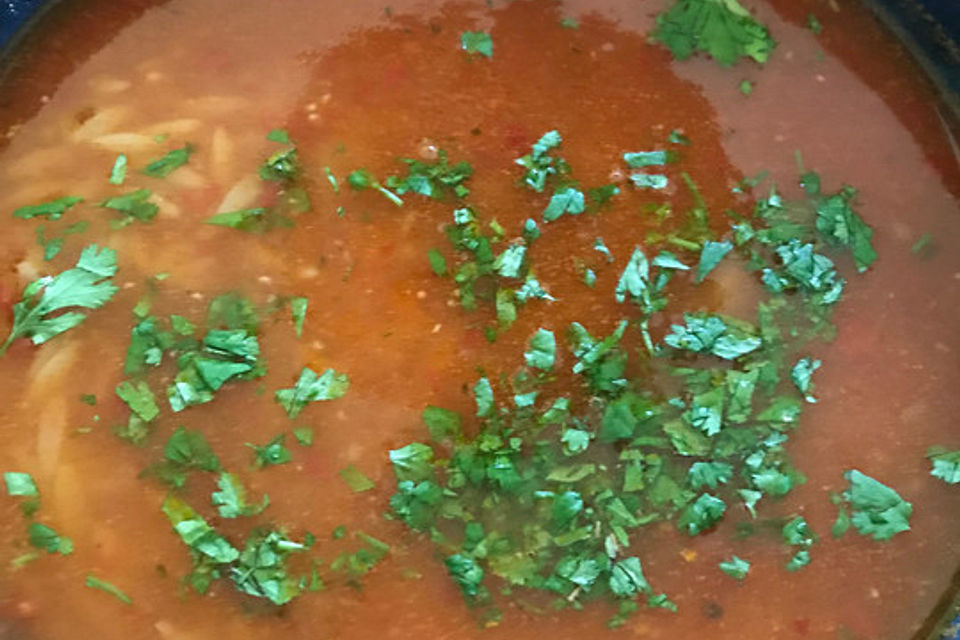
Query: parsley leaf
[[477, 42], [118, 174], [87, 286], [839, 223], [437, 262], [433, 179], [540, 164], [627, 579], [312, 388], [250, 220], [721, 28], [304, 436]]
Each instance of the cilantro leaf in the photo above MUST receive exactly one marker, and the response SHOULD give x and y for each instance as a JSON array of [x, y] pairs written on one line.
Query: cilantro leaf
[[139, 398], [627, 579], [540, 164], [467, 574], [705, 512], [231, 500], [876, 509], [271, 454], [96, 583], [737, 568], [434, 178], [118, 174], [20, 484], [43, 537], [135, 206], [946, 464], [477, 42], [312, 388], [250, 220], [356, 479], [87, 286], [483, 394], [721, 28], [710, 256], [641, 159], [705, 333], [564, 200], [52, 210], [282, 166], [437, 262], [442, 424], [649, 181], [261, 568], [304, 436], [543, 350], [801, 375], [196, 532], [162, 167], [839, 224], [413, 462], [709, 474]]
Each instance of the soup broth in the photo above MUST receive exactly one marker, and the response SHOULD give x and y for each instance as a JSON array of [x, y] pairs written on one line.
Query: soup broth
[[309, 235]]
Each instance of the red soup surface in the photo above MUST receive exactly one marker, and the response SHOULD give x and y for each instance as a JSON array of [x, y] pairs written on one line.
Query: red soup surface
[[475, 320]]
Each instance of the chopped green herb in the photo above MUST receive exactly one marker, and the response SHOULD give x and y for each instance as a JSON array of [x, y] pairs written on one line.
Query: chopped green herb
[[746, 87], [282, 166], [43, 537], [598, 245], [721, 28], [332, 179], [814, 24], [356, 479], [231, 500], [539, 164], [312, 388], [271, 454], [53, 210], [118, 174], [876, 509], [96, 583], [87, 286], [162, 167], [543, 350], [251, 220], [640, 159], [565, 200], [570, 23], [304, 436], [433, 179], [280, 136], [20, 484], [185, 450], [801, 375], [924, 247], [710, 256], [134, 206], [736, 568], [437, 262], [298, 311], [477, 42], [139, 398], [649, 181], [946, 464]]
